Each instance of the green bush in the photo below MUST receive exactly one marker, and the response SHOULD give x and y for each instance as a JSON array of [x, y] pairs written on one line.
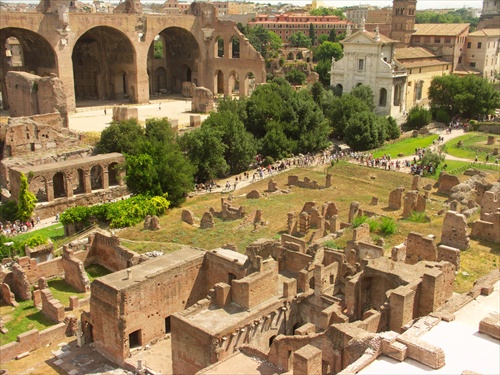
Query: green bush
[[374, 225], [388, 226], [418, 117], [36, 240], [124, 213], [8, 211], [358, 220], [441, 115], [418, 217]]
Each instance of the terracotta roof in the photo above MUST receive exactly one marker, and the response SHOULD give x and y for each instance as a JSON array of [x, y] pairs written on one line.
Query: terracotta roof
[[383, 38], [421, 63], [440, 28], [413, 53], [486, 32], [460, 69]]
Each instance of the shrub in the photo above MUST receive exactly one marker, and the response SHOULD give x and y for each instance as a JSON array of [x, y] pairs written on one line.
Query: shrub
[[418, 217], [374, 225], [119, 214], [418, 117], [358, 220], [441, 115], [331, 244], [8, 210], [388, 226], [36, 240]]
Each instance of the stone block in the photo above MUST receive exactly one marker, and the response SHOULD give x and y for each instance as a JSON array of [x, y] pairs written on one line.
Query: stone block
[[307, 361], [491, 326], [254, 194], [187, 216]]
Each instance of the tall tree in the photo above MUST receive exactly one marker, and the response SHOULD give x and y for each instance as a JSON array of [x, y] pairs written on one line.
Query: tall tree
[[468, 96], [339, 111], [327, 50], [312, 33], [363, 131], [299, 40], [323, 68], [27, 200], [364, 93]]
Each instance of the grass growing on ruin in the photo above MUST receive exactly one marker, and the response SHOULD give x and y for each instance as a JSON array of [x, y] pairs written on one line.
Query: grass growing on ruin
[[62, 290], [21, 319], [96, 270], [351, 183], [406, 146]]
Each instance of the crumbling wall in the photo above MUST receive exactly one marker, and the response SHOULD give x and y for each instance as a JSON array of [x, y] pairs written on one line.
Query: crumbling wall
[[420, 248], [446, 182], [488, 229], [109, 253], [255, 288], [454, 231], [51, 307], [74, 272]]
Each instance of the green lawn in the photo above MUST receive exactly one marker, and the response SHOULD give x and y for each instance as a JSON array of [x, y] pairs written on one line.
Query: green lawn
[[22, 319], [62, 290], [473, 144], [54, 232], [406, 146]]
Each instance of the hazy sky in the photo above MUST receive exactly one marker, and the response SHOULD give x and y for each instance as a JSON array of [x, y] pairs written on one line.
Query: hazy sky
[[421, 4]]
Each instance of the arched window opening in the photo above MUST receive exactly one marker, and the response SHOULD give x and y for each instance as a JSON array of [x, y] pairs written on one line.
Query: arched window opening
[[383, 98]]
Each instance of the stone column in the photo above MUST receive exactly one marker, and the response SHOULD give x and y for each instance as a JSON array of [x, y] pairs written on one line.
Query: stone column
[[87, 185], [65, 73], [49, 188], [69, 185], [138, 80], [105, 177]]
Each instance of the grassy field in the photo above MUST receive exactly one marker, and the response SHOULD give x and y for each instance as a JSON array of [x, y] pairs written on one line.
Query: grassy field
[[473, 144], [406, 146], [54, 232], [350, 183], [21, 319]]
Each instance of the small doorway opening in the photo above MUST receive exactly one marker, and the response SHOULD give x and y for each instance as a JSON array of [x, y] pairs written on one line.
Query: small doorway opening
[[168, 327], [135, 339]]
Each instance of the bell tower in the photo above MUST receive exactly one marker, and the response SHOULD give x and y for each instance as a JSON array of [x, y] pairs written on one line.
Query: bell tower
[[403, 20]]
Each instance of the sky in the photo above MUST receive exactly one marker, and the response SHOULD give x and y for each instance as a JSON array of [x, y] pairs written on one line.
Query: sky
[[421, 4]]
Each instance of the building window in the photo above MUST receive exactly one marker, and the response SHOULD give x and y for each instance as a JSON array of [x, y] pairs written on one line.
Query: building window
[[361, 64], [427, 39], [437, 39], [418, 90], [417, 39], [479, 45], [383, 98], [447, 40], [469, 45], [472, 64]]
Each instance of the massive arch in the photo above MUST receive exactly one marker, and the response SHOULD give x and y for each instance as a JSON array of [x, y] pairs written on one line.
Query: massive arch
[[37, 56], [103, 65], [179, 58]]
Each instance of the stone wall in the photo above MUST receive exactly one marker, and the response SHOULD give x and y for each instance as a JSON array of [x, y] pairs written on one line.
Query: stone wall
[[109, 253], [139, 302], [32, 340], [446, 182], [51, 307], [454, 231], [74, 272], [420, 248], [255, 288]]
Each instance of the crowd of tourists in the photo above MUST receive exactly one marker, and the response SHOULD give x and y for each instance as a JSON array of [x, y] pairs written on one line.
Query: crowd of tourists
[[12, 229]]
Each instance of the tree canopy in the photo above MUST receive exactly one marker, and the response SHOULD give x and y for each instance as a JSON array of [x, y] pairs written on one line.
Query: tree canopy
[[266, 42], [299, 39], [462, 15], [154, 162], [469, 96], [322, 11], [327, 50]]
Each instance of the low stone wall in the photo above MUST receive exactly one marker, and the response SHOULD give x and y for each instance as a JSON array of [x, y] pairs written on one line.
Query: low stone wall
[[32, 340], [50, 209]]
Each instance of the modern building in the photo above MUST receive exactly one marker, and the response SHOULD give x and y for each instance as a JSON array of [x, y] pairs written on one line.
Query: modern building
[[482, 52], [421, 66], [288, 24], [446, 39]]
